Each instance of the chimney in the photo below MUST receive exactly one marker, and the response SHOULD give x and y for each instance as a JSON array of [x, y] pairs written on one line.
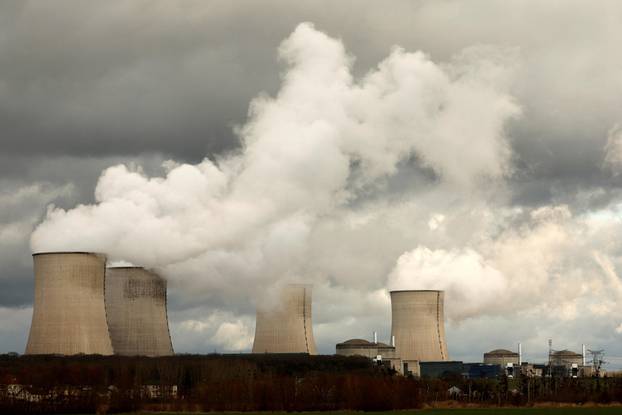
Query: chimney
[[288, 327], [69, 312], [393, 341], [418, 324], [583, 353], [375, 337], [520, 354], [136, 311]]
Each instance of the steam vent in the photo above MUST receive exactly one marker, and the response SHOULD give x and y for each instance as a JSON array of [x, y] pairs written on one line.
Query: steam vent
[[69, 315], [136, 311], [418, 325], [287, 327]]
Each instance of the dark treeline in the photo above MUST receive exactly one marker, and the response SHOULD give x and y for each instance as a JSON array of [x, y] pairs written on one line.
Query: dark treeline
[[49, 384], [523, 390], [82, 384]]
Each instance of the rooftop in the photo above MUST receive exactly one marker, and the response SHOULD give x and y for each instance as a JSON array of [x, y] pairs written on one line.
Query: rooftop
[[502, 352], [362, 343], [66, 253], [565, 353]]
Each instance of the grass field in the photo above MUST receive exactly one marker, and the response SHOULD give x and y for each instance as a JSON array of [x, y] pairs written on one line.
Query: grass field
[[491, 411], [526, 411]]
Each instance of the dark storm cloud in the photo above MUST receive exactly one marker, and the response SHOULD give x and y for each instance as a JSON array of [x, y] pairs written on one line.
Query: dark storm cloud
[[110, 79], [17, 289], [174, 78], [81, 172]]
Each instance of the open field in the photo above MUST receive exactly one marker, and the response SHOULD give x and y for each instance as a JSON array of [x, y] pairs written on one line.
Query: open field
[[526, 411], [486, 411]]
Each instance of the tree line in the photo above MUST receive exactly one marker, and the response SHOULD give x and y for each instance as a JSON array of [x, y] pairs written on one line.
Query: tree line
[[258, 382]]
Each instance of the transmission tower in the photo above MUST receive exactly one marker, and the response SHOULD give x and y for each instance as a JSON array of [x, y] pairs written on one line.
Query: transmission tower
[[597, 360], [550, 365]]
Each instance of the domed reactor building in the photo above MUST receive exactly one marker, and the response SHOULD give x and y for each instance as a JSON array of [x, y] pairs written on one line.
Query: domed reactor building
[[69, 315], [418, 325], [501, 357], [286, 327], [137, 313]]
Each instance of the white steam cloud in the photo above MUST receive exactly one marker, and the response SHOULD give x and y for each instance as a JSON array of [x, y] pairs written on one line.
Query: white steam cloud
[[464, 275], [324, 140], [309, 196]]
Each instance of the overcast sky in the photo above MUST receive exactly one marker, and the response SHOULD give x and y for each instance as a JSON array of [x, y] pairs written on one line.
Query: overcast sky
[[474, 147]]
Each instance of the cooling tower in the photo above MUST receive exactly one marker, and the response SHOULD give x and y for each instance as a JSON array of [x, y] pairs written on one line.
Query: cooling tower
[[136, 311], [418, 325], [286, 327], [69, 315]]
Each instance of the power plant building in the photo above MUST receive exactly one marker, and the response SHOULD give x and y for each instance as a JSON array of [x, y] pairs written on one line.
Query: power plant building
[[380, 352], [566, 358], [69, 315], [418, 326], [137, 313], [286, 327], [362, 347], [501, 357]]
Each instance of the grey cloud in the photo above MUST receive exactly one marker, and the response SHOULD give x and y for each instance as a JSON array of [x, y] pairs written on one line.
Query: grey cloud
[[12, 330], [140, 77], [16, 287]]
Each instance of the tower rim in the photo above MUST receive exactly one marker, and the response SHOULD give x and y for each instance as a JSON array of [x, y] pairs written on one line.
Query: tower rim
[[66, 253], [416, 291], [127, 267]]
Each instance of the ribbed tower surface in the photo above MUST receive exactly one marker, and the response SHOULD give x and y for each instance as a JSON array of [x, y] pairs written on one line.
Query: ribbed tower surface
[[136, 311], [418, 324], [69, 315], [286, 327]]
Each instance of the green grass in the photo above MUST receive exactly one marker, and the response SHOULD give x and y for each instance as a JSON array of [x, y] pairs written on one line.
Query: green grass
[[526, 411], [490, 411]]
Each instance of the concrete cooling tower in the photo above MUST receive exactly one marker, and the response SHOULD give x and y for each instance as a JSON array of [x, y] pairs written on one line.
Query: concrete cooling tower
[[418, 324], [136, 311], [286, 327], [69, 315]]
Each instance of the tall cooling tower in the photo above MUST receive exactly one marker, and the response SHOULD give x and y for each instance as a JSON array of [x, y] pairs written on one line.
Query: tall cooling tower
[[418, 324], [69, 316], [286, 327], [136, 311]]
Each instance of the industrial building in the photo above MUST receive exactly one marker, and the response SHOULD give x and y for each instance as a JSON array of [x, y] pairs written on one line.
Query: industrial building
[[286, 327], [69, 315], [533, 370], [501, 357], [566, 358], [563, 363], [136, 311], [481, 370], [568, 363], [440, 369], [381, 353], [443, 369], [418, 326]]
